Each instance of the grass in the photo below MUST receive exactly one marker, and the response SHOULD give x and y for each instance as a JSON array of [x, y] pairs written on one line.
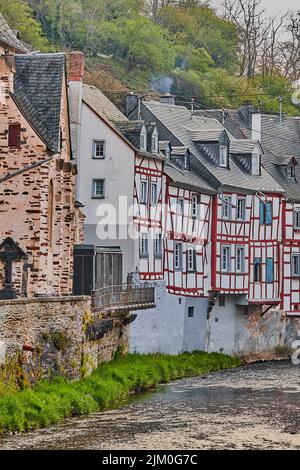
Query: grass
[[108, 387]]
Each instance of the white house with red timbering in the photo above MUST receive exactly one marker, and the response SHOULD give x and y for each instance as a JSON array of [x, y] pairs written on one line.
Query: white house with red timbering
[[206, 220], [231, 244]]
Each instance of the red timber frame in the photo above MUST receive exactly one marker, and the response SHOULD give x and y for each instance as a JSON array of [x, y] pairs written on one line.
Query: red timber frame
[[191, 232], [266, 241], [148, 216], [232, 233], [290, 296]]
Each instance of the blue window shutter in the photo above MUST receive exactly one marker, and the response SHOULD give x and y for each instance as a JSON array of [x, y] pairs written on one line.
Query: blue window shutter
[[261, 212], [270, 270], [269, 213]]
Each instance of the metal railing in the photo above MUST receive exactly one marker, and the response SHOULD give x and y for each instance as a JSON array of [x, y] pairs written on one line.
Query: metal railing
[[132, 295]]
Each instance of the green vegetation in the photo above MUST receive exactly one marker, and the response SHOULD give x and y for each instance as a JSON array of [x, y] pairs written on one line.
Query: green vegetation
[[108, 387], [222, 61]]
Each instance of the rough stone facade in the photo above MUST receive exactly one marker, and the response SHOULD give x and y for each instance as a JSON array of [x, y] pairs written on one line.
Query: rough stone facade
[[58, 336], [37, 206]]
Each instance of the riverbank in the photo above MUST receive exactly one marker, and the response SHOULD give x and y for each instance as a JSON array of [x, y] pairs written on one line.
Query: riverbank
[[108, 387]]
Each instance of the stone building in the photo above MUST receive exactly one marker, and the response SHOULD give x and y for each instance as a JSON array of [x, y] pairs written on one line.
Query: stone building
[[40, 220]]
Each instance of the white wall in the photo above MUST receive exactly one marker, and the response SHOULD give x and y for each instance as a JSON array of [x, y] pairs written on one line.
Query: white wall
[[117, 168]]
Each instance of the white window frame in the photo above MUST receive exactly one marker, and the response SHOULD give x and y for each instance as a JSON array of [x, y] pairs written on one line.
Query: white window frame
[[223, 156], [180, 206], [296, 217], [240, 259], [158, 251], [154, 201], [226, 204], [95, 195], [100, 156], [225, 250], [154, 143], [178, 256], [143, 140], [295, 257], [243, 201], [195, 206], [144, 245], [191, 259], [143, 192]]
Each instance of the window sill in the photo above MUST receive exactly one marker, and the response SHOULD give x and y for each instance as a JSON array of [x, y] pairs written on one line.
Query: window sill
[[98, 197], [98, 158], [158, 256], [144, 256]]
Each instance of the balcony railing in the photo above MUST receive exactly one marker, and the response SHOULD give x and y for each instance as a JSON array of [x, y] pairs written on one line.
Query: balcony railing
[[128, 297]]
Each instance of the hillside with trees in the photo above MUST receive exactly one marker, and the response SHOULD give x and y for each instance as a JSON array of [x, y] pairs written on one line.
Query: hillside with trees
[[222, 59]]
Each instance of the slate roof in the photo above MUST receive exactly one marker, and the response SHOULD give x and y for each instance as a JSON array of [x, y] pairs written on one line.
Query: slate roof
[[37, 91], [205, 135], [175, 122], [180, 151], [8, 37], [243, 146], [96, 100], [280, 141], [184, 177], [129, 126]]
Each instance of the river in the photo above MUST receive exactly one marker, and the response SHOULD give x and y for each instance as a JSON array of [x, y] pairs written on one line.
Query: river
[[252, 407]]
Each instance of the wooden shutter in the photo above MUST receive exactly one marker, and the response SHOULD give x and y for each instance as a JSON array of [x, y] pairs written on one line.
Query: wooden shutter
[[14, 135]]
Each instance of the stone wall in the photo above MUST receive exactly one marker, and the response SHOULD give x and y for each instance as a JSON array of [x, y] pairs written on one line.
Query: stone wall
[[58, 336]]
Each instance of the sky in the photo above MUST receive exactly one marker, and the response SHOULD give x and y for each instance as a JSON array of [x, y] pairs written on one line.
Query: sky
[[272, 7]]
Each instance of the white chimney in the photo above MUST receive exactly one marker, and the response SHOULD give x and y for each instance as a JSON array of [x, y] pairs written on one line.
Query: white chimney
[[167, 98], [76, 73], [256, 126]]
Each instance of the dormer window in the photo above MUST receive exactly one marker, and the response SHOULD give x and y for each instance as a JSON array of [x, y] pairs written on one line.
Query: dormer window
[[154, 144], [223, 157], [143, 139], [291, 170], [256, 161]]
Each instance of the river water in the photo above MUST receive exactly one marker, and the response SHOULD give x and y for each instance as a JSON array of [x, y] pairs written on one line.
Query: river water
[[252, 407]]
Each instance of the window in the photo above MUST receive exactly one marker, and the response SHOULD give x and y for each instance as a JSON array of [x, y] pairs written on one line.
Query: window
[[14, 135], [225, 259], [195, 205], [144, 192], [256, 161], [257, 270], [265, 213], [296, 265], [297, 218], [98, 189], [181, 206], [178, 256], [270, 270], [241, 209], [223, 159], [143, 141], [291, 170], [154, 193], [99, 149], [191, 311], [240, 259], [222, 301], [191, 260], [154, 144], [158, 246], [144, 252], [226, 207]]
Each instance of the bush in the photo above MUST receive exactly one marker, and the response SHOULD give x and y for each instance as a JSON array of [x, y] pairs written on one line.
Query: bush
[[108, 387]]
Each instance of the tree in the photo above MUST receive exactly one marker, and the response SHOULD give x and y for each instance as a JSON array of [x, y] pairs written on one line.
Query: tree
[[248, 17], [19, 16]]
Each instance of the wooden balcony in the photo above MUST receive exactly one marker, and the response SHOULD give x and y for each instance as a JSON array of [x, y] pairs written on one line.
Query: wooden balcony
[[126, 297]]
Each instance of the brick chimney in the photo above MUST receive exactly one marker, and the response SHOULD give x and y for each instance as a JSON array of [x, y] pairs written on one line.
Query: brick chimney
[[76, 66], [76, 74]]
